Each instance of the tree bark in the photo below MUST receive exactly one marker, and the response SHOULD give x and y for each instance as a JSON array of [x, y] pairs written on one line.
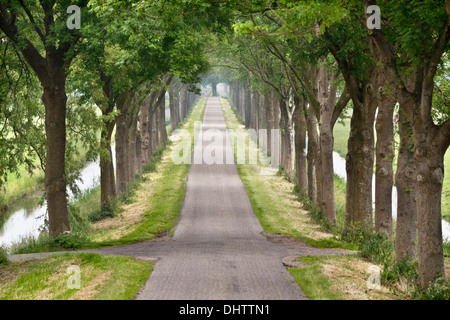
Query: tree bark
[[174, 107], [55, 99], [406, 226], [429, 164], [144, 123], [287, 139], [254, 112], [360, 157], [300, 145], [107, 175], [132, 140], [122, 168], [314, 178], [384, 176], [247, 105], [162, 134]]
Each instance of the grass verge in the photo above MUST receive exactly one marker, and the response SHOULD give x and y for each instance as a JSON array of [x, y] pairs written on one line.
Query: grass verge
[[100, 278]]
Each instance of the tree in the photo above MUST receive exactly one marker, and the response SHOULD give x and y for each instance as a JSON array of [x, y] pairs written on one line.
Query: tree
[[39, 31], [412, 48]]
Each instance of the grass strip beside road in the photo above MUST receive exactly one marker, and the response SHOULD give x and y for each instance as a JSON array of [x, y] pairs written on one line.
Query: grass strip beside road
[[55, 278]]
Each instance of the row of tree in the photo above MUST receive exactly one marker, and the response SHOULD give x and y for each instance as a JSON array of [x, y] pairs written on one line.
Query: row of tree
[[62, 86], [305, 63]]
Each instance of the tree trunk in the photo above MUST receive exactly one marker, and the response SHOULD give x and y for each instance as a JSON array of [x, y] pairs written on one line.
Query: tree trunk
[[429, 164], [138, 162], [326, 167], [263, 122], [107, 175], [55, 99], [287, 139], [162, 134], [155, 130], [314, 180], [360, 160], [300, 145], [183, 102], [248, 105], [384, 176], [132, 140], [214, 89], [254, 110], [174, 109], [406, 226], [144, 123], [122, 173]]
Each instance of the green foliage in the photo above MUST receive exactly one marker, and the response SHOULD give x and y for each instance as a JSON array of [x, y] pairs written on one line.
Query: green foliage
[[400, 271], [3, 256], [438, 290], [68, 241], [46, 244], [375, 247]]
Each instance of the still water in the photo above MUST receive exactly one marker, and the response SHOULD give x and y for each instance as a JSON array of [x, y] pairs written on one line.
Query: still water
[[27, 217]]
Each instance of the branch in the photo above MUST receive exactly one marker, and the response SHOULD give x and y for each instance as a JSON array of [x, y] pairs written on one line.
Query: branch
[[305, 84], [33, 22], [31, 54], [340, 105]]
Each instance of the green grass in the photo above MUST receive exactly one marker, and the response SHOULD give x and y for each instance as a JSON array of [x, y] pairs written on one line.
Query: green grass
[[101, 278], [313, 283]]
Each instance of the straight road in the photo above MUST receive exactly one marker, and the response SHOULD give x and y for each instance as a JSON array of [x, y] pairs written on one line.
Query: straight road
[[218, 250]]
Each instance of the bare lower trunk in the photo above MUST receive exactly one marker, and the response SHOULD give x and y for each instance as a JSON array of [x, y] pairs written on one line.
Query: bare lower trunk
[[145, 135], [384, 176], [406, 226], [138, 162], [154, 127], [183, 102], [122, 173], [247, 104], [429, 164], [132, 148], [314, 181], [326, 165], [287, 139], [254, 110], [174, 110], [359, 163], [107, 176], [162, 123], [55, 99], [300, 146]]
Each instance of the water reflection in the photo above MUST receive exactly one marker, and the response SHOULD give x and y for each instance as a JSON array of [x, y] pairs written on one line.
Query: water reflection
[[27, 217]]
